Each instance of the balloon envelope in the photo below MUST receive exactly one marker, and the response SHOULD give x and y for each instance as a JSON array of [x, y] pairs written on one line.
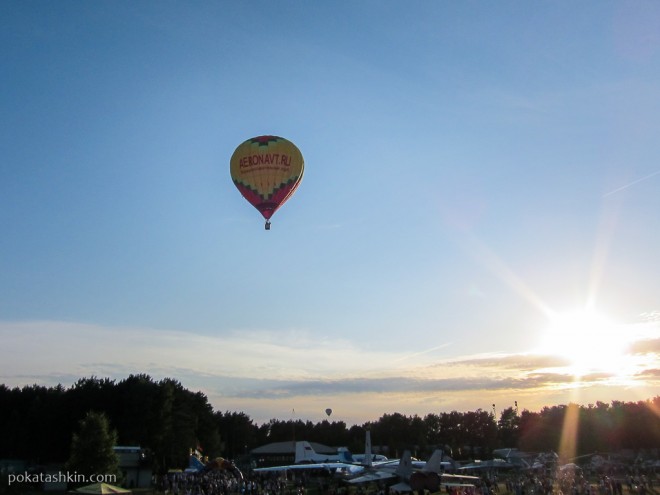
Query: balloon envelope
[[328, 411], [267, 170]]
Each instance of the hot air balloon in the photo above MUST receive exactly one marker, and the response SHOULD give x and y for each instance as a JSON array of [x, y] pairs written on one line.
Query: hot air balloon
[[267, 170], [328, 411]]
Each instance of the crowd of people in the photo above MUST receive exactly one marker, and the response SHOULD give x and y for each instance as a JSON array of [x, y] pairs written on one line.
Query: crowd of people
[[219, 482], [575, 483]]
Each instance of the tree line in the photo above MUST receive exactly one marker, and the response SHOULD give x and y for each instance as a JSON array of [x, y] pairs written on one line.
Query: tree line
[[38, 424]]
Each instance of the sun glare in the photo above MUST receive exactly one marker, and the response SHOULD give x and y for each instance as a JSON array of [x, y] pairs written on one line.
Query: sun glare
[[589, 341]]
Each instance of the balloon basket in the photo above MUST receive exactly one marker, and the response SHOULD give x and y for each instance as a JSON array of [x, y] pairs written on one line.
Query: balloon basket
[[267, 226]]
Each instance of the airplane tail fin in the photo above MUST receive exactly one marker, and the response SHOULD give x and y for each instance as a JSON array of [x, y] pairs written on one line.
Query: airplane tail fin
[[304, 452], [368, 458], [405, 465], [434, 464], [345, 455]]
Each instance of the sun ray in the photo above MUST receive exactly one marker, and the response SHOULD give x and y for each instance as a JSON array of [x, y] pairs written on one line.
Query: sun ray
[[497, 266], [569, 432]]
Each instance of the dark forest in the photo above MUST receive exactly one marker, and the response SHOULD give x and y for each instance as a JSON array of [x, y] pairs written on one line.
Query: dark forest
[[168, 420]]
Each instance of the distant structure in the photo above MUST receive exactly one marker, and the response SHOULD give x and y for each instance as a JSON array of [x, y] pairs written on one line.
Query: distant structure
[[134, 466]]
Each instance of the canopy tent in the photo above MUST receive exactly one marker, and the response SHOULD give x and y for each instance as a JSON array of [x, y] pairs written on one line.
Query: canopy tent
[[100, 489]]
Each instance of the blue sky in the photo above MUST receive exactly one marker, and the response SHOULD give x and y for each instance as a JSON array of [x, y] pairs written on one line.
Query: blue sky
[[475, 173]]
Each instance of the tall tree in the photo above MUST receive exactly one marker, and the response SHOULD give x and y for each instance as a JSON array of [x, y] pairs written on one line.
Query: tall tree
[[480, 432], [91, 447], [508, 427], [451, 433], [433, 429]]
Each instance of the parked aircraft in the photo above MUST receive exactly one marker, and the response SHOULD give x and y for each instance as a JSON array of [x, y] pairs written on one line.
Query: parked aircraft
[[520, 459], [343, 462], [368, 458], [307, 458], [528, 460], [305, 453], [414, 475], [488, 465]]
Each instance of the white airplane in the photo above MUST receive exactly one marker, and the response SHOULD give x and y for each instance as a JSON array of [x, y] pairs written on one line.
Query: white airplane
[[305, 453], [414, 475], [343, 462], [385, 471], [307, 458]]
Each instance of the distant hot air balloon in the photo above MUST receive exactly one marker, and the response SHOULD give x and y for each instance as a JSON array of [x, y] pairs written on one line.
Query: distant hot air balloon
[[328, 411], [267, 170]]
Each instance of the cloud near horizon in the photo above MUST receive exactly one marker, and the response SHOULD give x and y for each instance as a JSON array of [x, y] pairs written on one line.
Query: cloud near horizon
[[262, 372]]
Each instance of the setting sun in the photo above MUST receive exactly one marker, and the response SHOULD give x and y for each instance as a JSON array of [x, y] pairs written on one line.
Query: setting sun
[[590, 341]]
